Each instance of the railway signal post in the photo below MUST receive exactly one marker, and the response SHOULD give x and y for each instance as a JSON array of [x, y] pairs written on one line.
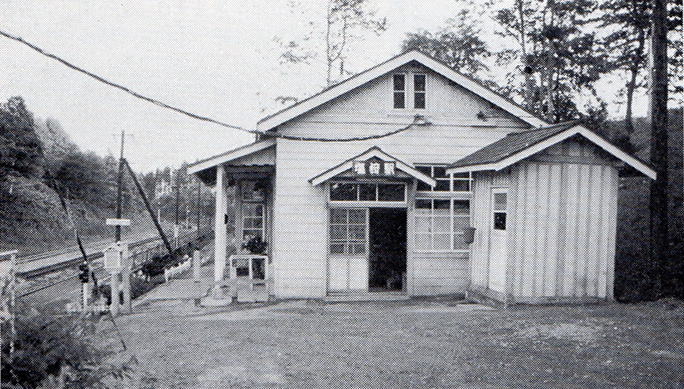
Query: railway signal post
[[122, 267], [84, 276]]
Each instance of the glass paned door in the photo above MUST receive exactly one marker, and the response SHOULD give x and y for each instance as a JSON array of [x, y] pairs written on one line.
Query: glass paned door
[[348, 249]]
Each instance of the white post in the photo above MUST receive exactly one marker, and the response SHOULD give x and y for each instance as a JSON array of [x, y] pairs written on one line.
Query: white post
[[220, 226], [114, 283], [126, 278], [250, 262], [196, 263], [85, 291]]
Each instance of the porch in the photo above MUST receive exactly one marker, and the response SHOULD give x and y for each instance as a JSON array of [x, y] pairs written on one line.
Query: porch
[[243, 184]]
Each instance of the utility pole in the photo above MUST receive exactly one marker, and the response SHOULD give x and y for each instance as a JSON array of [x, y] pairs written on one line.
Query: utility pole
[[199, 205], [659, 127], [119, 188], [175, 225]]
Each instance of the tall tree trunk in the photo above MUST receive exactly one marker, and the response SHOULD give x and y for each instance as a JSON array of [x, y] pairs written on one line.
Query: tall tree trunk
[[550, 56], [328, 43], [658, 113], [527, 67], [631, 84]]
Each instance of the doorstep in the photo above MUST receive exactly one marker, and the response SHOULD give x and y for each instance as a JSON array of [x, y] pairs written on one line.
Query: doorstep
[[365, 296]]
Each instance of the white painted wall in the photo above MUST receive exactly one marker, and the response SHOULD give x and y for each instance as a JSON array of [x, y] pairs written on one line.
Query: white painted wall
[[564, 225], [561, 224], [300, 210]]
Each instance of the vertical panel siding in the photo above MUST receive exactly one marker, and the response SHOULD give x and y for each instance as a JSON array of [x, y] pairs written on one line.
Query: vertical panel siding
[[482, 218], [517, 226], [610, 226], [570, 228], [479, 266], [565, 221], [553, 219]]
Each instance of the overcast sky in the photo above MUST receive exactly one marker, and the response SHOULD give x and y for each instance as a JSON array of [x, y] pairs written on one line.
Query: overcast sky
[[215, 58]]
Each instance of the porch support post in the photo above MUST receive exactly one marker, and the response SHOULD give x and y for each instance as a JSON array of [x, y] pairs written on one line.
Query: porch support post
[[220, 226]]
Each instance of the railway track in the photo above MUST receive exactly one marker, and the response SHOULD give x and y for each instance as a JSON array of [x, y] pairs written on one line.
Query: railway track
[[96, 253], [29, 267], [140, 250]]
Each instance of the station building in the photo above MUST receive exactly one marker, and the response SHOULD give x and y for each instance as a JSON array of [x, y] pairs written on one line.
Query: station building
[[411, 178]]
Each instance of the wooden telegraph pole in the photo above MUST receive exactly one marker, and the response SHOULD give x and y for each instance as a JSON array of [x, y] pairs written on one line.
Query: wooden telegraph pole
[[119, 188], [659, 127]]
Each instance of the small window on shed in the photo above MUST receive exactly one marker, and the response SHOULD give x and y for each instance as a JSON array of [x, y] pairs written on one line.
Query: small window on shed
[[399, 91], [499, 206], [419, 91]]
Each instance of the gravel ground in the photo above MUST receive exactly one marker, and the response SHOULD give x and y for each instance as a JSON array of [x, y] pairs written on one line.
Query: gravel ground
[[416, 343]]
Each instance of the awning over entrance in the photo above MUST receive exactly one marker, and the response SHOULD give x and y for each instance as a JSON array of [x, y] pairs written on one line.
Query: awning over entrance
[[251, 161], [372, 163]]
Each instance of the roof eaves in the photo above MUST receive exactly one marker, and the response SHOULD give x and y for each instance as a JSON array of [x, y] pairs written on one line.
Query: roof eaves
[[265, 143]]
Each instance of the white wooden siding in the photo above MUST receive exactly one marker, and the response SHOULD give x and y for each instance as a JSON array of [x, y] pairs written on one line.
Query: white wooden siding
[[439, 273], [564, 228], [300, 210], [482, 221], [447, 105], [561, 223]]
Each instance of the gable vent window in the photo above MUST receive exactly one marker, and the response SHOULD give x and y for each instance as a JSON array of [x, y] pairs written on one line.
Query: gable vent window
[[399, 91], [419, 91]]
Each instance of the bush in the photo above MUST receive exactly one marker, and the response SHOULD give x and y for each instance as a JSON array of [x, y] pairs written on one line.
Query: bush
[[50, 349], [255, 245], [138, 288]]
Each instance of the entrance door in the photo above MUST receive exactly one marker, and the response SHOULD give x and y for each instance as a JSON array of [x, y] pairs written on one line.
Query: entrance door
[[348, 250], [498, 240], [387, 259]]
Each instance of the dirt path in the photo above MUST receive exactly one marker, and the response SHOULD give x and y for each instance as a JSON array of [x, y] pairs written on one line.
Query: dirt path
[[424, 343]]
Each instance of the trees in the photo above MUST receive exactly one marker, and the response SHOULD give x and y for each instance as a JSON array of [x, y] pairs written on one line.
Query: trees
[[83, 176], [21, 151], [344, 21], [458, 45], [629, 23], [557, 58]]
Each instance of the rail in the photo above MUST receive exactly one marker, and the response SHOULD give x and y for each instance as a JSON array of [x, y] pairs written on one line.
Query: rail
[[77, 258], [138, 255]]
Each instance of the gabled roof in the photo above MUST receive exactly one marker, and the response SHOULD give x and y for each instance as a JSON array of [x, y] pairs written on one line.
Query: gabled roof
[[520, 145], [284, 115], [230, 155], [373, 152]]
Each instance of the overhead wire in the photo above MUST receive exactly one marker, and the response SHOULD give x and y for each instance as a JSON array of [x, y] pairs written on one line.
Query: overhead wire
[[416, 121]]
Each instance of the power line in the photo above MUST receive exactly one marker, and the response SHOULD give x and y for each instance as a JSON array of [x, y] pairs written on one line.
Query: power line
[[417, 120]]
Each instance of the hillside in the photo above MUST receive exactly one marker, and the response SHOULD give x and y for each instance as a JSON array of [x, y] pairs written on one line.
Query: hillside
[[38, 162]]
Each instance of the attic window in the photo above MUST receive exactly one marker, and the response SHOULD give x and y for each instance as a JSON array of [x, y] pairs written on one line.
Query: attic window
[[419, 91], [399, 91]]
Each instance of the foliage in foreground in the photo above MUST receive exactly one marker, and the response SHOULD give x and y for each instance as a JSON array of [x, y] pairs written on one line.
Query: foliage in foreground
[[51, 351]]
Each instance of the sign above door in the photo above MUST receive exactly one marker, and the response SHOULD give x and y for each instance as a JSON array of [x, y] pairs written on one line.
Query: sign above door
[[375, 167]]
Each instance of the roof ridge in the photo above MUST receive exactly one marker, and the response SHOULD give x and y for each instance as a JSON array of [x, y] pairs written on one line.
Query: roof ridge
[[568, 123], [476, 82]]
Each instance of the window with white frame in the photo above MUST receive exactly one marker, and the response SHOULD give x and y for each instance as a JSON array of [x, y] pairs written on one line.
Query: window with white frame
[[399, 88], [460, 182], [499, 208], [253, 220], [419, 87], [439, 224], [376, 192], [348, 231]]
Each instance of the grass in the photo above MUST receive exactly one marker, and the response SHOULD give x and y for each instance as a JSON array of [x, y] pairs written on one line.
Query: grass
[[418, 343]]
